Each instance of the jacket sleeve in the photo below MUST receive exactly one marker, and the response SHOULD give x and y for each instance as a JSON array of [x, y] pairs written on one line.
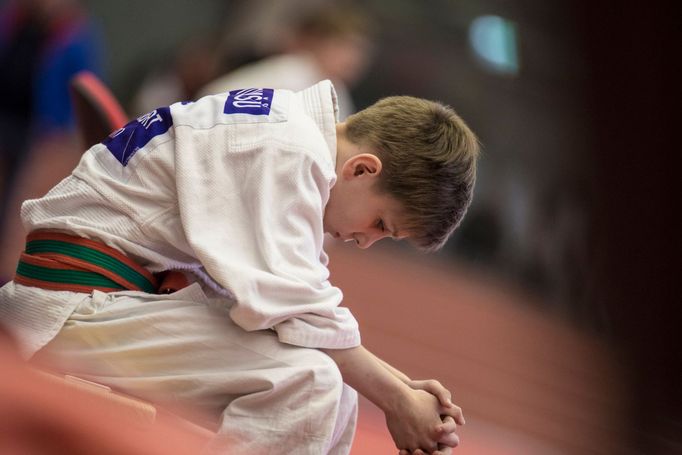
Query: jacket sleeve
[[253, 217]]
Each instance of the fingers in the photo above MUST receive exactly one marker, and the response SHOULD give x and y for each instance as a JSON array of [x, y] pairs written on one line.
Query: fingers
[[455, 412], [434, 447], [448, 426], [443, 394], [436, 388], [447, 436], [443, 450], [449, 440], [414, 452]]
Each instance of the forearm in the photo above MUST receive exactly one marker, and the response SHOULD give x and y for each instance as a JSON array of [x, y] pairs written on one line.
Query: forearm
[[413, 417], [393, 370], [370, 376]]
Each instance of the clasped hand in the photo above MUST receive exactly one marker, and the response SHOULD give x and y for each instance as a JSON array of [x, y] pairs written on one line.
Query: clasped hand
[[425, 420]]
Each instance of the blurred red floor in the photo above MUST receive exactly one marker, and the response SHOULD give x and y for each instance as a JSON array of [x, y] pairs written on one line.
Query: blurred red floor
[[529, 383]]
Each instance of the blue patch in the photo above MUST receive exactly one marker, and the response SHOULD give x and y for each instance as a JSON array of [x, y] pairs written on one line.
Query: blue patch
[[126, 141], [252, 101]]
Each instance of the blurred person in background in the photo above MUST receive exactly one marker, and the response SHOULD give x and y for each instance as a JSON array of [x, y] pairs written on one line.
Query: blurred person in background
[[193, 66], [43, 43], [322, 40]]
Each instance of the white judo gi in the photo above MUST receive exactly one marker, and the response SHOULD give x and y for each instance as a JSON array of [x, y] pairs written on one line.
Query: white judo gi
[[231, 189]]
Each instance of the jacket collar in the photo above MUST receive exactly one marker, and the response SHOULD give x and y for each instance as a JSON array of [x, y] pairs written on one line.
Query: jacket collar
[[320, 103]]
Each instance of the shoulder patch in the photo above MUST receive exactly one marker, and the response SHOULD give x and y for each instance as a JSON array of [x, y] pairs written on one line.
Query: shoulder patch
[[252, 101], [124, 142]]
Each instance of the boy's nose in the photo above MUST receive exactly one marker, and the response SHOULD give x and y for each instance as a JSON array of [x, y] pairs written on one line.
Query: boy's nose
[[368, 239], [365, 243]]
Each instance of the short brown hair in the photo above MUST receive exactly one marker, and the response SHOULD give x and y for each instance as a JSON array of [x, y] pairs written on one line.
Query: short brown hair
[[429, 162]]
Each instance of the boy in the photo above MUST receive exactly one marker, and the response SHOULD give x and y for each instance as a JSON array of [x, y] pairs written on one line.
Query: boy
[[237, 191]]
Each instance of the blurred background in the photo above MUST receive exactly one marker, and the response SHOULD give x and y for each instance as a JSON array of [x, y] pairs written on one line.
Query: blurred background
[[553, 311]]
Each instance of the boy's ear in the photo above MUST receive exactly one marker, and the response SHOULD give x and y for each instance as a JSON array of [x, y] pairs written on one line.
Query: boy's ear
[[363, 164]]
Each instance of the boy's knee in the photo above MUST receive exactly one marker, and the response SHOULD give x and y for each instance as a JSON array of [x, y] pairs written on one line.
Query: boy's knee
[[330, 369], [326, 373]]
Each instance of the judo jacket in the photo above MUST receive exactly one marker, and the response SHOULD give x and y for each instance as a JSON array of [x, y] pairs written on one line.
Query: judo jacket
[[232, 189]]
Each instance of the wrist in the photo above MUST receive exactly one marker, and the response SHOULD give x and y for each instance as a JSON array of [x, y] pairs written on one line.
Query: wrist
[[369, 375], [395, 397]]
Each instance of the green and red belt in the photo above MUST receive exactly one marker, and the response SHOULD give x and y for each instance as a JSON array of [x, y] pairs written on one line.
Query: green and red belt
[[64, 262]]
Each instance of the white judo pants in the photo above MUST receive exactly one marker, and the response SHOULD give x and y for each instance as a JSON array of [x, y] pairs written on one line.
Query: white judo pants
[[267, 397]]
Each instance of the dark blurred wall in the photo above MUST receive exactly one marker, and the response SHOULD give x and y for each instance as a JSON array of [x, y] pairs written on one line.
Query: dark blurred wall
[[584, 132], [142, 36], [633, 52]]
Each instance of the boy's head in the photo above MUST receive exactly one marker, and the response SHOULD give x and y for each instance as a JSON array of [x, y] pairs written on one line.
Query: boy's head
[[407, 163]]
